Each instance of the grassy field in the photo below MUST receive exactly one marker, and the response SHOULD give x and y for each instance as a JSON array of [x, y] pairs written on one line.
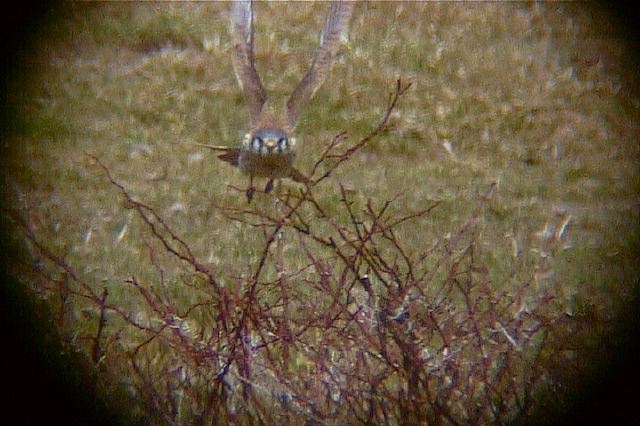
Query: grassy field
[[536, 98]]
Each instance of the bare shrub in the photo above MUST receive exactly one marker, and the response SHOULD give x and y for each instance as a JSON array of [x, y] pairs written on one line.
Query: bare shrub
[[338, 321]]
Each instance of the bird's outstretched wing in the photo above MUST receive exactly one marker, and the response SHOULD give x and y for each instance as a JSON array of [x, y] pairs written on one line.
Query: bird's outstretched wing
[[241, 28], [335, 30]]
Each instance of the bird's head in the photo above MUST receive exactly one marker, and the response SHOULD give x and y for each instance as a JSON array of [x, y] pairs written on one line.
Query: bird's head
[[268, 141]]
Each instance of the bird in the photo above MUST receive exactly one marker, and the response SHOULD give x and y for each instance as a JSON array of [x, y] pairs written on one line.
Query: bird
[[268, 149]]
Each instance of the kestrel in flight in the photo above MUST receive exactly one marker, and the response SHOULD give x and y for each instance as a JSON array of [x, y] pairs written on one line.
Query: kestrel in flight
[[268, 149]]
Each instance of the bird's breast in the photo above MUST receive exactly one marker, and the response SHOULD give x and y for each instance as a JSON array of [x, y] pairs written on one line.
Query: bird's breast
[[270, 164]]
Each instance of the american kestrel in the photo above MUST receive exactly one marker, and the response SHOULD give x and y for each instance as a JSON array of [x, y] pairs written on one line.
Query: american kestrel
[[268, 149]]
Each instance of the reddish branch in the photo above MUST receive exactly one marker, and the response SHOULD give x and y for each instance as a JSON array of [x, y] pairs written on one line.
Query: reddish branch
[[362, 328]]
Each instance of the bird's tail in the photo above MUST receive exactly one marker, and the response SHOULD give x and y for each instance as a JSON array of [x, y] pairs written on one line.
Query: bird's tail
[[230, 155]]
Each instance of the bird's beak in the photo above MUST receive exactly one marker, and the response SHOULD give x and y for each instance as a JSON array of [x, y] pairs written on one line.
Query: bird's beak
[[269, 145], [271, 142]]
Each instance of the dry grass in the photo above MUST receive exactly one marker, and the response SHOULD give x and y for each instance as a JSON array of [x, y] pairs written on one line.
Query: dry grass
[[533, 98]]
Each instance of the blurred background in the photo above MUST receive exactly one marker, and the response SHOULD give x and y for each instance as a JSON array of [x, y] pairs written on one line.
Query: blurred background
[[540, 99]]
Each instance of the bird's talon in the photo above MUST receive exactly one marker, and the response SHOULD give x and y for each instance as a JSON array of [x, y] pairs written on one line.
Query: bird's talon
[[269, 186], [250, 192]]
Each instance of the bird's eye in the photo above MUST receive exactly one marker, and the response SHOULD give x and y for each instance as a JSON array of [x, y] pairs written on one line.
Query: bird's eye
[[282, 143], [256, 143]]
